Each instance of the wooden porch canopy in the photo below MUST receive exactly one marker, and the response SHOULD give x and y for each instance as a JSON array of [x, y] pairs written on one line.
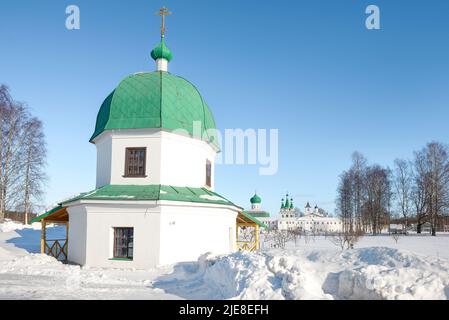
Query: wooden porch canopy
[[246, 221], [55, 215], [245, 218], [58, 247]]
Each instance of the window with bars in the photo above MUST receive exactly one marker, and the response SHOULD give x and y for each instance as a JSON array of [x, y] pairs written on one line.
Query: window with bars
[[208, 173], [135, 162], [123, 243]]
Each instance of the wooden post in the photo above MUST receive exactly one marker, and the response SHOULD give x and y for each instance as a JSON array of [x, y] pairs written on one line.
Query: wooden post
[[237, 227], [67, 238], [257, 237], [43, 236]]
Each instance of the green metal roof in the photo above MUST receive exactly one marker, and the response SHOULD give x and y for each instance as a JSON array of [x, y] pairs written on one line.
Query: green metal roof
[[161, 51], [146, 193], [156, 100], [253, 219], [258, 214], [152, 192], [46, 214]]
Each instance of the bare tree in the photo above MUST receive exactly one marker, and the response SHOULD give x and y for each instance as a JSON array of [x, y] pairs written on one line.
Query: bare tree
[[34, 165], [22, 155], [377, 205], [435, 160], [346, 240], [396, 237], [420, 190], [279, 238], [403, 188], [13, 115], [345, 203], [295, 234], [358, 172]]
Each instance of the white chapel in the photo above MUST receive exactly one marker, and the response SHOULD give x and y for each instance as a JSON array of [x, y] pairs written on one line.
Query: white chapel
[[155, 201]]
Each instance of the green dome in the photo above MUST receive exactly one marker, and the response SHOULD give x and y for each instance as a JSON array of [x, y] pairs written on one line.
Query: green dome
[[161, 51], [255, 199], [156, 100]]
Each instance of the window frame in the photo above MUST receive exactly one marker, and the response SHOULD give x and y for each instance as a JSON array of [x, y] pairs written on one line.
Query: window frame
[[208, 173], [127, 151], [127, 246]]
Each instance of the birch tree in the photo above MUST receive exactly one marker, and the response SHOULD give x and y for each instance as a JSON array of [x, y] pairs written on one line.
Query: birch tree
[[403, 188], [434, 159], [22, 156], [34, 165]]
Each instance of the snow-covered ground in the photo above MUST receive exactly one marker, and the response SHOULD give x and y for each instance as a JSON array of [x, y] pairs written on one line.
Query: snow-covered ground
[[417, 267]]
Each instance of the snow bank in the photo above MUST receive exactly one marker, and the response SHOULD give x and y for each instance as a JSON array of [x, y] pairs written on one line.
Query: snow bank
[[367, 273], [239, 276], [9, 226], [390, 274]]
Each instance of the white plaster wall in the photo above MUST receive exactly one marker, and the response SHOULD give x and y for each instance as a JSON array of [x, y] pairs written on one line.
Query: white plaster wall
[[190, 231], [172, 159], [164, 233], [77, 235], [183, 161], [102, 218], [104, 159], [126, 139]]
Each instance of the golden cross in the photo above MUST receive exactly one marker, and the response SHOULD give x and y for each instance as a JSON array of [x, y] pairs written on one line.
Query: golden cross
[[163, 12]]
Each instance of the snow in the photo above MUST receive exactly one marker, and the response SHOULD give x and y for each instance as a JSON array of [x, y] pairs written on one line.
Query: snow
[[211, 198], [10, 225], [416, 267]]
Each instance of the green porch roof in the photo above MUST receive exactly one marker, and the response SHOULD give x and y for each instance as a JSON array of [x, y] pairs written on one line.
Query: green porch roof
[[146, 193], [246, 215], [46, 214]]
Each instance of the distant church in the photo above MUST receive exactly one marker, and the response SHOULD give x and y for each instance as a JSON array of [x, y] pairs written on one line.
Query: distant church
[[261, 215], [313, 220]]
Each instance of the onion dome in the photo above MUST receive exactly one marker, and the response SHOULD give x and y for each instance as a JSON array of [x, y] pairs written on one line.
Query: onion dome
[[161, 51], [255, 199]]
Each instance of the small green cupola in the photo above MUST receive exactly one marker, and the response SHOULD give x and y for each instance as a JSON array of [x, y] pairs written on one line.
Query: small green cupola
[[291, 204], [255, 199], [161, 51], [282, 204], [287, 202]]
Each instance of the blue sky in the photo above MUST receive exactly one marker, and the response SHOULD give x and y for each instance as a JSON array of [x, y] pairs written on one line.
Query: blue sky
[[309, 68]]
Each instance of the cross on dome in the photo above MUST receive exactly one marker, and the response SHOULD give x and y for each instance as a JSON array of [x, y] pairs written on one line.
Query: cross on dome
[[163, 12], [161, 53]]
